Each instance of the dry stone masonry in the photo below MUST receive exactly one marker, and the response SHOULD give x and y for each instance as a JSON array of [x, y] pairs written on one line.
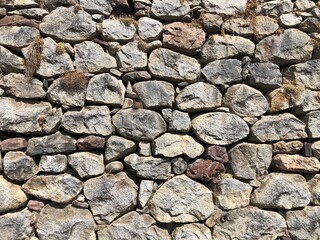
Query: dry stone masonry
[[159, 119]]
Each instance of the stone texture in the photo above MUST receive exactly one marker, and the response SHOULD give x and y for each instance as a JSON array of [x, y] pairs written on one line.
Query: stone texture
[[13, 144], [10, 62], [310, 25], [86, 164], [316, 149], [132, 56], [192, 231], [118, 147], [225, 8], [287, 147], [62, 188], [295, 163], [114, 167], [17, 37], [146, 190], [179, 165], [276, 7], [314, 188], [219, 128], [181, 200], [136, 76], [290, 20], [97, 6], [217, 153], [169, 10], [118, 30], [179, 122], [312, 124], [53, 163], [90, 143], [34, 13], [35, 205], [149, 29], [204, 170]]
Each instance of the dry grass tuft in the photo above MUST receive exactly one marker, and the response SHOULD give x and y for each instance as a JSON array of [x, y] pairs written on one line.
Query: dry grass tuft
[[34, 56], [74, 80], [251, 14]]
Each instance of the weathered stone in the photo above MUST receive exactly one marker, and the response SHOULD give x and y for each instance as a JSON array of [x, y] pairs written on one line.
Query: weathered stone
[[17, 37], [292, 46], [204, 170], [225, 8], [219, 128], [90, 143], [114, 167], [53, 163], [51, 144], [62, 188], [172, 145], [136, 76], [146, 190], [191, 231], [139, 124], [90, 57], [68, 25], [12, 196], [13, 144], [179, 165], [278, 127], [245, 101], [67, 222], [105, 89], [224, 71], [149, 167], [248, 160], [249, 223], [295, 163], [18, 166], [280, 190], [179, 122], [118, 30], [217, 153], [276, 7], [169, 65], [117, 147], [198, 96], [110, 196], [314, 188], [169, 10], [97, 6], [304, 223], [312, 124], [145, 149], [10, 62], [35, 205], [86, 164], [181, 200], [149, 29], [53, 4], [316, 149], [211, 22], [307, 101], [304, 5], [219, 47], [34, 13], [132, 56], [290, 20], [310, 25], [287, 147]]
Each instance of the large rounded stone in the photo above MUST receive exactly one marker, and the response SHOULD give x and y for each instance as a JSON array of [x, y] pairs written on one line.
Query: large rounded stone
[[169, 10]]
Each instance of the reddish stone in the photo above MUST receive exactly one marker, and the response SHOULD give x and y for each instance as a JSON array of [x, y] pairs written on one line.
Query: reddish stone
[[217, 153], [90, 143], [204, 170], [13, 144], [136, 76], [137, 105], [35, 205]]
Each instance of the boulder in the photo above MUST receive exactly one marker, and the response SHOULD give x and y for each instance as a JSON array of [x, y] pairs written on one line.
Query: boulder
[[13, 144], [275, 8], [117, 147], [290, 147], [180, 122], [90, 142]]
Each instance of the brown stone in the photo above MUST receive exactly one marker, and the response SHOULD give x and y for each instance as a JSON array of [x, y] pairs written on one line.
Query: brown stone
[[136, 76], [295, 163], [137, 105], [217, 153], [287, 147], [204, 170], [183, 37], [3, 12], [13, 144], [35, 205], [17, 20], [90, 143]]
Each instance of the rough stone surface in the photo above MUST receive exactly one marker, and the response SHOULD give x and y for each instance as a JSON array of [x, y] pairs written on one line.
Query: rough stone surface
[[314, 188], [276, 7], [53, 163], [192, 231], [97, 6], [223, 7], [179, 122], [86, 164], [312, 124], [316, 149], [204, 170], [290, 20], [114, 167], [117, 30], [90, 142], [295, 163], [132, 56], [287, 147], [149, 29], [17, 37], [13, 144], [169, 10], [10, 62], [117, 147], [146, 190], [217, 153]]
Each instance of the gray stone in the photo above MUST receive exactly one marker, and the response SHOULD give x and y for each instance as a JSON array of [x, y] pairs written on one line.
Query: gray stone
[[118, 30], [311, 120], [37, 13], [304, 5], [149, 29], [172, 145], [295, 163], [132, 56], [289, 20], [181, 200], [19, 4], [192, 231], [224, 71], [276, 7], [104, 7], [169, 10], [90, 57], [249, 223], [110, 196], [86, 164], [155, 94], [105, 89], [287, 147], [65, 222], [114, 167], [314, 188], [169, 65], [316, 149], [307, 101], [118, 147], [51, 144], [211, 22], [179, 165], [10, 62], [198, 96], [180, 122], [53, 163], [278, 127], [90, 120], [149, 167], [139, 124], [283, 191], [17, 37], [219, 128], [304, 223], [249, 161], [146, 190], [62, 188], [292, 46], [68, 25], [145, 149], [225, 7], [310, 25]]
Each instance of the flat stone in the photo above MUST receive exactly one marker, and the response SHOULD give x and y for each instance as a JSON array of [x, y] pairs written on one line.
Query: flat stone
[[51, 144], [211, 22], [114, 167], [180, 122], [65, 222], [249, 161], [10, 62], [61, 188], [198, 96], [225, 8], [172, 145], [310, 25], [17, 37], [219, 128], [110, 196], [314, 188], [169, 10], [136, 76], [12, 196], [86, 164], [90, 120], [105, 89], [193, 203], [146, 190], [191, 231], [118, 30], [290, 147], [204, 170], [276, 7], [149, 167], [99, 7], [68, 25], [295, 163], [172, 66], [90, 143], [117, 147], [289, 20], [217, 153], [281, 191], [149, 29], [13, 144], [132, 56], [36, 13], [139, 124], [53, 163]]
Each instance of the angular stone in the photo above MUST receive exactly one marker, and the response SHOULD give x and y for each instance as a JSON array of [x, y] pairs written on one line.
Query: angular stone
[[13, 144], [117, 147], [51, 144], [118, 30], [276, 7], [110, 196], [295, 163], [99, 7], [204, 170], [68, 25], [149, 167], [281, 191], [62, 188], [292, 46], [219, 128], [169, 10], [169, 65], [17, 37], [136, 76], [180, 122], [132, 55], [225, 71], [310, 25], [225, 7], [53, 163], [146, 190], [287, 147], [314, 188], [17, 20], [65, 222], [34, 13], [248, 160], [172, 145], [10, 62], [139, 124], [316, 149], [86, 164], [278, 127], [181, 200], [249, 223], [90, 143], [312, 124], [191, 231], [290, 20], [217, 153], [198, 96], [149, 29], [105, 89], [211, 22], [307, 101]]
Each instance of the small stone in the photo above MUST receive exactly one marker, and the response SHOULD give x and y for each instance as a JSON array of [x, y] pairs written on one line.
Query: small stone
[[312, 124], [91, 142], [169, 10], [314, 188], [3, 12], [295, 163], [276, 7], [146, 190], [316, 149], [132, 56], [34, 205], [217, 153], [211, 22], [179, 165], [192, 231], [204, 170], [17, 37], [10, 62], [145, 149], [53, 163], [118, 147], [304, 5], [118, 30], [289, 20], [114, 167], [290, 147], [96, 6], [13, 144], [136, 76], [180, 122], [149, 29], [225, 8]]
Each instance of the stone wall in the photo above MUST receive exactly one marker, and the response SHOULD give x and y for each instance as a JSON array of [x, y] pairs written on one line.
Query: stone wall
[[158, 120]]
